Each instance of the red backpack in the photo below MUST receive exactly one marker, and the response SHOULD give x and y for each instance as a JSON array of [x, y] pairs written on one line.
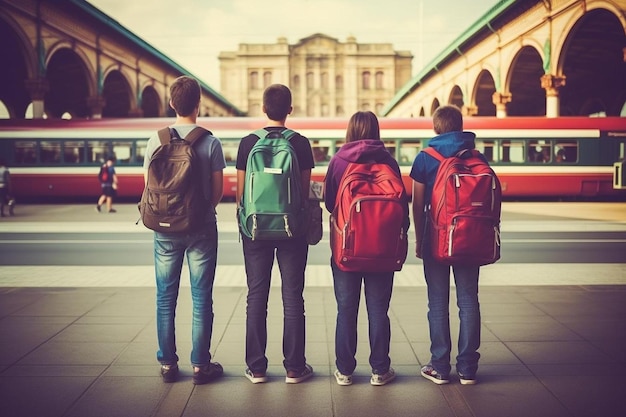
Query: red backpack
[[367, 226], [465, 210]]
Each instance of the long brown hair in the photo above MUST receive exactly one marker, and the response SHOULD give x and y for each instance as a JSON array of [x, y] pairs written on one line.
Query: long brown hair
[[362, 125]]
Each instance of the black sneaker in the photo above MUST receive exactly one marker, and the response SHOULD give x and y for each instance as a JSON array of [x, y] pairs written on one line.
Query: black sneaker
[[431, 373], [295, 377], [169, 373], [112, 211], [98, 208], [207, 373]]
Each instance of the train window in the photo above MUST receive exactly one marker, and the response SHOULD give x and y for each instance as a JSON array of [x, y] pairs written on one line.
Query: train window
[[25, 152], [122, 151], [566, 151], [321, 151], [408, 151], [97, 151], [512, 151], [488, 149], [50, 152], [140, 151], [539, 151], [73, 152], [390, 145], [230, 148]]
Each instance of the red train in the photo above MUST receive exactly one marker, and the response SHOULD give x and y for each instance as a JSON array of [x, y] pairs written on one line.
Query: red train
[[534, 157]]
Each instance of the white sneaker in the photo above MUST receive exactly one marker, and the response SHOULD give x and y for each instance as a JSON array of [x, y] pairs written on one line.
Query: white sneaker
[[343, 379], [382, 379]]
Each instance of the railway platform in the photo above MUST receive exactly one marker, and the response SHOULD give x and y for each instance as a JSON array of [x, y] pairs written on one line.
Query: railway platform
[[76, 341]]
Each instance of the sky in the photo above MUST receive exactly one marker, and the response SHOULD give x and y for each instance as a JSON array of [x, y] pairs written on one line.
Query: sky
[[194, 32]]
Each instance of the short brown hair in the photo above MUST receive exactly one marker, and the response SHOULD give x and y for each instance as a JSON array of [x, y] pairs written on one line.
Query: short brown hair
[[363, 125], [185, 95], [447, 119], [277, 102]]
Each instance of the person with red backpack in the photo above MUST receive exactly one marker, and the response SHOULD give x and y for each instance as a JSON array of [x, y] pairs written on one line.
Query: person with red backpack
[[359, 248], [108, 183], [451, 141]]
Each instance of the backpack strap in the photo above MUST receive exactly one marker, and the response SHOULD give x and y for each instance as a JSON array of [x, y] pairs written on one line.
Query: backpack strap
[[166, 134], [433, 152], [196, 134], [263, 133]]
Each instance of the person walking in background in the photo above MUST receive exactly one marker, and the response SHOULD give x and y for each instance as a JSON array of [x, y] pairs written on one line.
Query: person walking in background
[[362, 145], [291, 253], [448, 125], [5, 188], [199, 246], [108, 183]]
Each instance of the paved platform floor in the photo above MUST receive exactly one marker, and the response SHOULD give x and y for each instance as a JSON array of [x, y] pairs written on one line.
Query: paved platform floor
[[76, 350]]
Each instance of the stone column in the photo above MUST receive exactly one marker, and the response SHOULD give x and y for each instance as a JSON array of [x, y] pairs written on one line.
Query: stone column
[[552, 83], [501, 100], [37, 88], [96, 104], [469, 110]]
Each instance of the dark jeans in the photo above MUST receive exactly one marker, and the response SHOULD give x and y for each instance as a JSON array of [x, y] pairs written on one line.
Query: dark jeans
[[292, 256], [378, 288], [466, 283]]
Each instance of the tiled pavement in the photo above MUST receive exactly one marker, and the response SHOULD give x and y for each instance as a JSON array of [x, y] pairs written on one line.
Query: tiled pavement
[[89, 350]]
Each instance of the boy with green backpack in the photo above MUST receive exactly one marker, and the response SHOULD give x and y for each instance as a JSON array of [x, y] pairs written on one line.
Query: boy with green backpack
[[273, 174]]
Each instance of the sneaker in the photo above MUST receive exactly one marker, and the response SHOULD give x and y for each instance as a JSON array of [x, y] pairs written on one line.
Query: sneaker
[[255, 377], [207, 373], [295, 377], [467, 379], [343, 379], [98, 208], [382, 379], [112, 211], [169, 373], [429, 372]]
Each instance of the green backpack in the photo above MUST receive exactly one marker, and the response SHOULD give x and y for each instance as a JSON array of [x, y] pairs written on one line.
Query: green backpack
[[271, 205]]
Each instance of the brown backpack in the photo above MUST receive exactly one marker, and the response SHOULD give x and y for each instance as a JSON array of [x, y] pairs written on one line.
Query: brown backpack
[[173, 199]]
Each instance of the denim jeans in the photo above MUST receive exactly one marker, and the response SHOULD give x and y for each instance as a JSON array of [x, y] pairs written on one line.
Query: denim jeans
[[438, 283], [292, 256], [378, 288], [201, 251]]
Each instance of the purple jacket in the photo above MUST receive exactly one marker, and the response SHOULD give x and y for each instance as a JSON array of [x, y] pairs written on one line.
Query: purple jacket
[[362, 151]]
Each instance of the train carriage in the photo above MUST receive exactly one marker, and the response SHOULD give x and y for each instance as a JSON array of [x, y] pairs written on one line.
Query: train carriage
[[542, 158]]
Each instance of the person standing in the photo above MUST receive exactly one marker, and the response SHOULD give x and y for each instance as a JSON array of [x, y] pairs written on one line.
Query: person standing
[[291, 254], [448, 125], [362, 145], [5, 187], [199, 246], [108, 183]]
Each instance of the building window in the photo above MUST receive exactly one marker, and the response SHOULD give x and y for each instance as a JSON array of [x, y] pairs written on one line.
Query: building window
[[365, 82], [267, 79], [324, 80], [339, 82], [309, 80], [254, 80], [296, 81], [380, 85]]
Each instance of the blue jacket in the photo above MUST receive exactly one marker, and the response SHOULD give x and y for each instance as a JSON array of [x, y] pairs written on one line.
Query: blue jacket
[[425, 167]]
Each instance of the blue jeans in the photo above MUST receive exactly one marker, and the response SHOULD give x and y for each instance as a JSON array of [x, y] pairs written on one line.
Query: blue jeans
[[378, 288], [438, 283], [292, 256], [201, 251]]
